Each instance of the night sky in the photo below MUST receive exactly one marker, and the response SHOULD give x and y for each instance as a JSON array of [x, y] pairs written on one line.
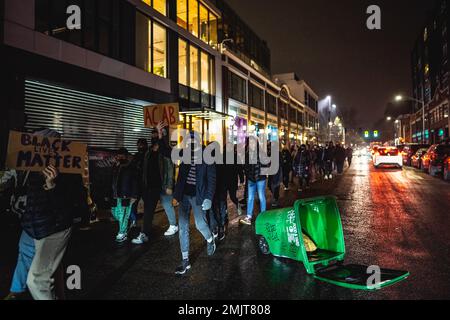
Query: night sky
[[327, 43]]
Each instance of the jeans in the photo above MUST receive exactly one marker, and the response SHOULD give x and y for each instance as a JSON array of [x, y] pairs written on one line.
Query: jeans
[[340, 166], [166, 202], [49, 254], [254, 187], [24, 260], [121, 212], [201, 223]]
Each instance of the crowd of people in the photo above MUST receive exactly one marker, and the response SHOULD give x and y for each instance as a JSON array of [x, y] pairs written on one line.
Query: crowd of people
[[149, 176]]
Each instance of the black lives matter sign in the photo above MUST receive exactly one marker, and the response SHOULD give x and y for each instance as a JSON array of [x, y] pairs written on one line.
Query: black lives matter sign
[[30, 152]]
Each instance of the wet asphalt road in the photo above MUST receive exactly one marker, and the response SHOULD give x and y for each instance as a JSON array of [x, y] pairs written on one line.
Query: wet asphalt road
[[393, 218]]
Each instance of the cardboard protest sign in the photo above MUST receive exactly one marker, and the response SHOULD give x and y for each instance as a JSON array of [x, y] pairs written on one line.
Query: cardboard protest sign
[[30, 152], [170, 113]]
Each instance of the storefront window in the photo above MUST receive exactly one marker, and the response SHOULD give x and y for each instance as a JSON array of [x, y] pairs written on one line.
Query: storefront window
[[193, 17], [205, 73], [158, 5], [182, 13], [194, 68], [204, 25], [151, 46], [182, 63]]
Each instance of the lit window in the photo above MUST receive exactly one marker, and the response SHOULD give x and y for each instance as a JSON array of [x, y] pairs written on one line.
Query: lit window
[[212, 30], [194, 68], [193, 17], [159, 50], [151, 46], [158, 5], [182, 62], [182, 13], [205, 73], [204, 25]]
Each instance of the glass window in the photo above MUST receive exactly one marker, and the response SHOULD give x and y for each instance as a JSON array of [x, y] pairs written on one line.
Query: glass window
[[143, 43], [158, 5], [194, 68], [237, 87], [212, 30], [182, 63], [182, 13], [159, 50], [193, 17], [205, 73], [151, 46], [204, 25]]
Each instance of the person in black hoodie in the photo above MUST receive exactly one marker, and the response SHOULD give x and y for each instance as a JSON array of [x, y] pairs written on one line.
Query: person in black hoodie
[[328, 158], [340, 156], [157, 183], [286, 164], [138, 162], [53, 199], [125, 191], [302, 163]]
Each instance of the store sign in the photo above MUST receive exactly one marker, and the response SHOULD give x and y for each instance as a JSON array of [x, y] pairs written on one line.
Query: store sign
[[168, 113], [30, 152]]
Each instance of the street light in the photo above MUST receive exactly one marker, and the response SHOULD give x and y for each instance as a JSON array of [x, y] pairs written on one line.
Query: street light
[[399, 98], [389, 118]]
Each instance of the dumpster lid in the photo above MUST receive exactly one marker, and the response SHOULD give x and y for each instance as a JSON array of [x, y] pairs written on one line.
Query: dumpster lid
[[360, 277]]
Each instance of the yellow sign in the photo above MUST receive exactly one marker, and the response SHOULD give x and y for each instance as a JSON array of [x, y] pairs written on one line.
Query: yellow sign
[[30, 152]]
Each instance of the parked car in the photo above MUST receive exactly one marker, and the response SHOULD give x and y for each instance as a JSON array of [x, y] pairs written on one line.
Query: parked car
[[433, 161], [416, 159], [387, 156], [447, 169], [410, 150]]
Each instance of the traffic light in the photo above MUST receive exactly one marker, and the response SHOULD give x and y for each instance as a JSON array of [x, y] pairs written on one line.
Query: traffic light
[[366, 134], [376, 134]]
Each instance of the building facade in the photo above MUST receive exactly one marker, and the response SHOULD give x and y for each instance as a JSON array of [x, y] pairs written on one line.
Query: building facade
[[431, 78], [91, 80]]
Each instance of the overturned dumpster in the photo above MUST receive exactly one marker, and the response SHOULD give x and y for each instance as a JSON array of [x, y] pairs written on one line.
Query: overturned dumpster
[[311, 232]]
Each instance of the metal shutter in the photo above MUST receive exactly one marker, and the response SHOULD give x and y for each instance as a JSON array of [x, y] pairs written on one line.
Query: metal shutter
[[96, 120]]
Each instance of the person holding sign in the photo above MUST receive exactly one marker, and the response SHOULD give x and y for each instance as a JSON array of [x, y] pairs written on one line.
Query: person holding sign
[[157, 184], [53, 199]]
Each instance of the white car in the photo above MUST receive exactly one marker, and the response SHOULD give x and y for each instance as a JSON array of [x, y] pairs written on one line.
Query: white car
[[389, 156]]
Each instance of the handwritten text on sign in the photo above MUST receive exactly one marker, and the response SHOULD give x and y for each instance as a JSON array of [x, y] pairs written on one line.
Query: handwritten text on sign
[[34, 153], [169, 113]]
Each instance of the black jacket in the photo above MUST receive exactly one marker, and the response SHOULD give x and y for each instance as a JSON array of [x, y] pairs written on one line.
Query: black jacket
[[205, 182], [328, 154], [125, 181], [286, 158], [340, 154], [53, 211]]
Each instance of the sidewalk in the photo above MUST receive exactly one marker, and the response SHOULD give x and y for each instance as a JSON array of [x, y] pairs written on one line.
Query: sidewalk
[[103, 262]]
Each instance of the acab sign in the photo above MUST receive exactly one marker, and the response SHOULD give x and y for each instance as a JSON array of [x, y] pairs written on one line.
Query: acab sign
[[168, 113]]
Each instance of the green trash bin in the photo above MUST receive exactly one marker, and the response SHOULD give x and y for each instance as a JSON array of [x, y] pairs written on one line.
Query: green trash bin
[[280, 233]]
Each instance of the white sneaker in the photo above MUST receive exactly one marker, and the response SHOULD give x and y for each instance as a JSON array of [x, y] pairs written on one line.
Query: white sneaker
[[326, 178], [141, 239], [171, 231], [121, 237], [331, 176]]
